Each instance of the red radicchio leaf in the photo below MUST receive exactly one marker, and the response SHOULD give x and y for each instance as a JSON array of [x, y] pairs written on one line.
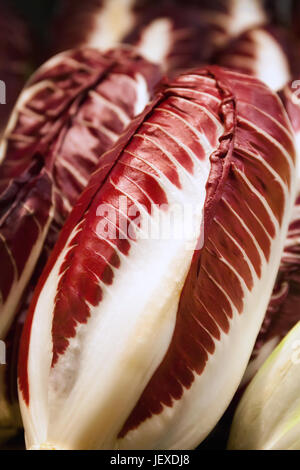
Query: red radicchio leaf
[[269, 53], [148, 318], [73, 109], [168, 32], [283, 310]]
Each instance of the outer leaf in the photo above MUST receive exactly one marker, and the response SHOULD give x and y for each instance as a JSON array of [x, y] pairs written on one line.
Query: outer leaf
[[269, 53], [268, 416], [96, 23], [266, 52], [284, 307], [168, 32], [232, 17], [72, 111], [128, 340]]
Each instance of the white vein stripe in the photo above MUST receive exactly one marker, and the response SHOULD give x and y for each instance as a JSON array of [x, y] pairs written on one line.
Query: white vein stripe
[[290, 258], [192, 92], [210, 316], [136, 203], [268, 167], [115, 247], [20, 138], [147, 163], [198, 134], [224, 261], [241, 249], [288, 133], [170, 156], [114, 225], [31, 212], [75, 173], [180, 144], [210, 115], [122, 115], [201, 78], [213, 339], [280, 292], [260, 252], [258, 195], [67, 205], [293, 237], [113, 136], [272, 139], [259, 222], [163, 181], [104, 288], [233, 308], [10, 255]]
